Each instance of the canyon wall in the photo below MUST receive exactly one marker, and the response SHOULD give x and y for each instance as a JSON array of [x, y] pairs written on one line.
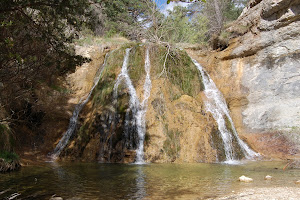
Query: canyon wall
[[178, 127]]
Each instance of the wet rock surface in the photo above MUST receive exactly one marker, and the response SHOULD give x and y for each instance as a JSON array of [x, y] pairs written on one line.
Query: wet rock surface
[[178, 127]]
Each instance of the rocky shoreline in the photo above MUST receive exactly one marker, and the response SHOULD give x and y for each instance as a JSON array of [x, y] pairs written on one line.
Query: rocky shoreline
[[264, 193]]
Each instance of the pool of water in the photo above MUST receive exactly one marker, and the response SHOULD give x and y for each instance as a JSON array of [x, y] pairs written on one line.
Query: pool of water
[[150, 181]]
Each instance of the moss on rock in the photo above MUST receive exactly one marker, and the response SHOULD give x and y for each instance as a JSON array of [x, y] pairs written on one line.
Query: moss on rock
[[217, 143], [171, 145], [179, 69]]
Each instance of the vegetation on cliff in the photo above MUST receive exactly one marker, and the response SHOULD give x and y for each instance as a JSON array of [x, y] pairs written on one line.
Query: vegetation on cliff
[[9, 160], [107, 127], [37, 59]]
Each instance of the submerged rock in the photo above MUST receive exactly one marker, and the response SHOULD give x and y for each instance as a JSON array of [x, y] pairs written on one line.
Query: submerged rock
[[245, 179]]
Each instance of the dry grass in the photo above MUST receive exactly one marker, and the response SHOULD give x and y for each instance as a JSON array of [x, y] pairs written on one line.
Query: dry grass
[[90, 40]]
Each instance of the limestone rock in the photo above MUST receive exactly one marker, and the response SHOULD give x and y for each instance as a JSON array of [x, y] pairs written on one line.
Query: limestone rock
[[178, 127], [259, 73], [268, 177], [245, 179]]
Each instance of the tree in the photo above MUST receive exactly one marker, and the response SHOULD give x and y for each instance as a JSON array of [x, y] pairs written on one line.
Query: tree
[[35, 44], [156, 26], [200, 24], [125, 17], [186, 1], [181, 29]]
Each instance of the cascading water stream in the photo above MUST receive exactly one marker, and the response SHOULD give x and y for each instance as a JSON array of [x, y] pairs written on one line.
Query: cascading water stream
[[138, 109], [73, 120], [123, 76], [217, 106], [133, 99], [141, 114]]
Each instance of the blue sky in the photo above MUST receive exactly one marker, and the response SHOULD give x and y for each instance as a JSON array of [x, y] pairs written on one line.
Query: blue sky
[[162, 4]]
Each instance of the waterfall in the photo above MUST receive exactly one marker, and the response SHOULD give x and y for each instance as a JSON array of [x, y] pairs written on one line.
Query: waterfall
[[73, 120], [138, 109], [141, 114], [123, 76], [217, 106], [133, 99]]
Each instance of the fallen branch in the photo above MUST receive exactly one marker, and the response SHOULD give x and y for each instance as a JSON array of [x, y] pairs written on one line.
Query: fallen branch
[[164, 71]]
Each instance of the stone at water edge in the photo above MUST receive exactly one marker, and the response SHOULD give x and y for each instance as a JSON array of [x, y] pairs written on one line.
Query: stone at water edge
[[245, 179], [268, 177]]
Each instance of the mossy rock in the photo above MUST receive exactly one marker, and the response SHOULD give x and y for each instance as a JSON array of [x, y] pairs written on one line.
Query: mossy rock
[[171, 145], [238, 152], [217, 143], [136, 69], [7, 140], [180, 69]]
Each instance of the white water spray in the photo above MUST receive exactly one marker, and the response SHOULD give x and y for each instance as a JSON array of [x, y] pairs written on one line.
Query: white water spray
[[138, 109], [73, 120], [123, 76], [141, 114], [217, 106]]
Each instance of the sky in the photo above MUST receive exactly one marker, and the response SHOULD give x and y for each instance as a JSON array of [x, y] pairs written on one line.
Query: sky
[[164, 6]]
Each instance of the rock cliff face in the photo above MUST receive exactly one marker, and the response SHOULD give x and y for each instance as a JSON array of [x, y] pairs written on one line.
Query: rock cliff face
[[178, 128], [259, 73]]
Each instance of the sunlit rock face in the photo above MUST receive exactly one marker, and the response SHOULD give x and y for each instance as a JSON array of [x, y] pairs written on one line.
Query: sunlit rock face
[[274, 94], [272, 76], [259, 74], [149, 108]]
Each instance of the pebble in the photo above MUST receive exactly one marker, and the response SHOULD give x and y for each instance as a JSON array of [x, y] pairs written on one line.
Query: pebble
[[297, 182]]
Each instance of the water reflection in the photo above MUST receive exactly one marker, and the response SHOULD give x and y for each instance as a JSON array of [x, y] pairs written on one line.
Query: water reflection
[[151, 181], [141, 192], [223, 182], [58, 170]]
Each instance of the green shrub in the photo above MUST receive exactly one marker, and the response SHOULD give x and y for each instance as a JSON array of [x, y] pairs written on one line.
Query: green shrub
[[9, 156]]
